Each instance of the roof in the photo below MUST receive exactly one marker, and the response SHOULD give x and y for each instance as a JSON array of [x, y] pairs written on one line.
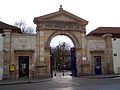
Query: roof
[[115, 31], [10, 27], [60, 12]]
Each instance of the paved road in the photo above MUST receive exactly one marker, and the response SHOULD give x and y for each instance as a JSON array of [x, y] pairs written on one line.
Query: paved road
[[69, 83]]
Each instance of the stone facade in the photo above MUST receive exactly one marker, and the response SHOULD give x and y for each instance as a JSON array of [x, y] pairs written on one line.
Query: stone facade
[[35, 49], [116, 54], [99, 46], [1, 56]]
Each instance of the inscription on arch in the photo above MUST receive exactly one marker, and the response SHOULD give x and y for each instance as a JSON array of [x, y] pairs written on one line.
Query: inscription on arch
[[56, 26]]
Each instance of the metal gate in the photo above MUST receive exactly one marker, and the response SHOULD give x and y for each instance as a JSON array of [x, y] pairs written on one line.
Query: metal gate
[[73, 58], [51, 63]]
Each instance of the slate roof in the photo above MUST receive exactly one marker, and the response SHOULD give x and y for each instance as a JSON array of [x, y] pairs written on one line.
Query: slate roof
[[10, 27], [115, 31]]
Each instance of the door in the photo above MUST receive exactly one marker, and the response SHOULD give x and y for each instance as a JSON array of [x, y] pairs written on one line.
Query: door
[[23, 66], [98, 69]]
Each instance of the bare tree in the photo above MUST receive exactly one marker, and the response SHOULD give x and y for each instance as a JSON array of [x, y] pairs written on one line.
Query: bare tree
[[64, 46], [25, 29], [29, 30], [61, 55]]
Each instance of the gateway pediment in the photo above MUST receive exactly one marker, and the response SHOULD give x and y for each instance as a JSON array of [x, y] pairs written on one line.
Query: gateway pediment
[[60, 15]]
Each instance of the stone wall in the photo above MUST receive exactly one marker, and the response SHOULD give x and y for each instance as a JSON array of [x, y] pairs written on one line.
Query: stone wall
[[100, 46], [1, 56], [95, 46], [23, 45], [116, 54], [7, 53], [18, 45], [23, 42]]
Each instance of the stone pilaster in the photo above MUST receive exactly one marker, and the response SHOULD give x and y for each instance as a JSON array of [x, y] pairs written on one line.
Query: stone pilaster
[[47, 59], [108, 66], [41, 67], [40, 45], [83, 44], [41, 38], [78, 61], [7, 53], [83, 52]]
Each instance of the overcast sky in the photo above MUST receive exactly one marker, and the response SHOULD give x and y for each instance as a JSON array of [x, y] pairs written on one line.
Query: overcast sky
[[97, 12]]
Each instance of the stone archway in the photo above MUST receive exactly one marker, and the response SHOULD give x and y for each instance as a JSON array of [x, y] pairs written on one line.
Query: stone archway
[[68, 34], [58, 23]]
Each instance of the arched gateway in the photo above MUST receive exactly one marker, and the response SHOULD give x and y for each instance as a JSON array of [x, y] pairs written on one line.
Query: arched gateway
[[28, 55], [59, 23]]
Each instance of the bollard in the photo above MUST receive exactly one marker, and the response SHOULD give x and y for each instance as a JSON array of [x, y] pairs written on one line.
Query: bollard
[[54, 74], [63, 74]]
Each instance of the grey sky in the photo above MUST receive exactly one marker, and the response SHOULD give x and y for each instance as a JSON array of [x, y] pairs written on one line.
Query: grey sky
[[97, 12]]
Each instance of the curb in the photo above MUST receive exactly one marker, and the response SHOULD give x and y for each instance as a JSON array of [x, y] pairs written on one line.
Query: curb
[[24, 82]]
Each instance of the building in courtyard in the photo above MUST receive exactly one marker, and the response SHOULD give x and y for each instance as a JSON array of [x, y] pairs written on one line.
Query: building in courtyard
[[28, 55]]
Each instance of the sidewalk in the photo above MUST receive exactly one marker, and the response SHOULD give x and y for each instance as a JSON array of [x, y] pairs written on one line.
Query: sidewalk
[[101, 76], [23, 81], [88, 76], [27, 81]]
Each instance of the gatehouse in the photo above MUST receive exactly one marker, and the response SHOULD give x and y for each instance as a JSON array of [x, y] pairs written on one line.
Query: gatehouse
[[29, 54]]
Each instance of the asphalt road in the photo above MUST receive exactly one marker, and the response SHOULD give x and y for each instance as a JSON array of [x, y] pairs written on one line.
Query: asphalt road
[[69, 83]]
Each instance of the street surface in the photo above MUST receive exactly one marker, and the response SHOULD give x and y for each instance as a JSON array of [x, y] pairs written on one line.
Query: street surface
[[67, 82]]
